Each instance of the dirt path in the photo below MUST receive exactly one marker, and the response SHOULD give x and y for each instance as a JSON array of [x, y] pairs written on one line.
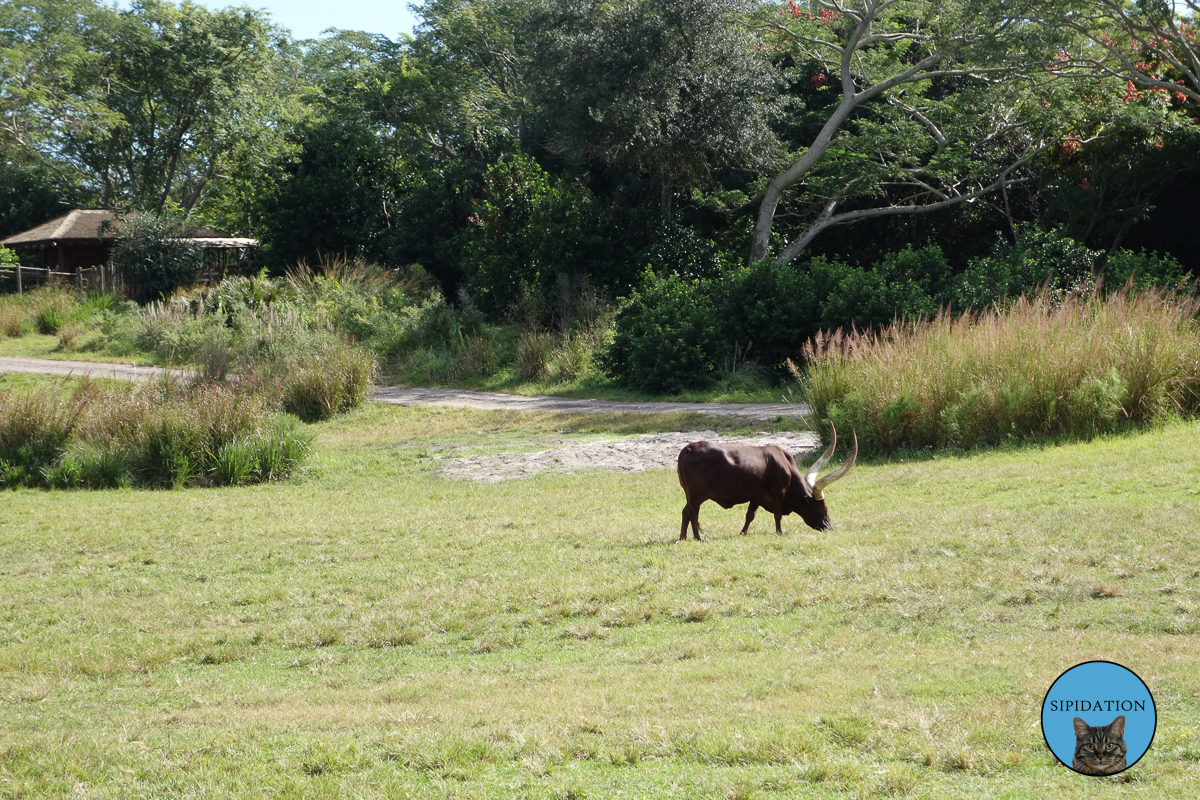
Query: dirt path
[[433, 397], [613, 454], [495, 401], [89, 369]]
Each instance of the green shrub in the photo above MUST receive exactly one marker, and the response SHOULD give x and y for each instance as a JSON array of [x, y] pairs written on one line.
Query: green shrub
[[66, 474], [154, 255], [102, 465], [50, 320], [1037, 258], [675, 333], [695, 320], [280, 451], [576, 352], [331, 376], [12, 317], [1141, 270], [49, 307], [234, 463], [665, 335], [527, 226], [738, 372], [534, 349]]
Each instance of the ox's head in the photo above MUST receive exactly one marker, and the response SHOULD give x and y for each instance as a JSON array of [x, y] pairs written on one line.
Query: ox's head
[[811, 505]]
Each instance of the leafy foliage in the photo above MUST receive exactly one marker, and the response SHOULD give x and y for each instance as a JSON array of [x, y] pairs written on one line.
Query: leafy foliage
[[664, 336], [154, 255], [673, 87]]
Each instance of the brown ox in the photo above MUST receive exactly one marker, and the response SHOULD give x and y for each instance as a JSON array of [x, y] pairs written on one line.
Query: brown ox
[[732, 474]]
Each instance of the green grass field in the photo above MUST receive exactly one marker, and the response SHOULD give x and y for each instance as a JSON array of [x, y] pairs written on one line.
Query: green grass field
[[373, 630]]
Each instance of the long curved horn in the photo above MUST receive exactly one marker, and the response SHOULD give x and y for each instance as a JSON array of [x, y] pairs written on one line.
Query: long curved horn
[[821, 483], [810, 477]]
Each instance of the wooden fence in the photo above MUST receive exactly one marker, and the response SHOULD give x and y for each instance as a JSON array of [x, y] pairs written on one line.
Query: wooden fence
[[105, 277], [102, 277]]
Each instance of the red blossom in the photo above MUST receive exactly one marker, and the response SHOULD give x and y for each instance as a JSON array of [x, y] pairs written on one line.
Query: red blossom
[[1085, 185], [1131, 92], [819, 80]]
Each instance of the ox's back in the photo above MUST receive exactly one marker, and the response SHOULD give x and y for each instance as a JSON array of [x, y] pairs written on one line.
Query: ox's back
[[737, 473]]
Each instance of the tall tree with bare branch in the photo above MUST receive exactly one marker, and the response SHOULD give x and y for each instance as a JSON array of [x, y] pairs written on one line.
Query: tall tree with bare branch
[[911, 106]]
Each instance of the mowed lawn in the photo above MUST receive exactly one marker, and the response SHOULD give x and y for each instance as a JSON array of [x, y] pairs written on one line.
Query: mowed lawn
[[374, 630]]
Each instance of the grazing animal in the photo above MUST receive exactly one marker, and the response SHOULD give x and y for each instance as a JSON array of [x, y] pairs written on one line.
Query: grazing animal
[[767, 477]]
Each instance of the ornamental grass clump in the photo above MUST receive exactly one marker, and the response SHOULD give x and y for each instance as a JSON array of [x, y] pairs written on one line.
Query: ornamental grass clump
[[327, 377], [162, 435], [1043, 367]]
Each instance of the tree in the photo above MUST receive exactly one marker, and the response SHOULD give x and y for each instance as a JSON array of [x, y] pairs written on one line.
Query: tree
[[141, 106], [1153, 44], [1122, 148], [27, 198], [464, 73], [329, 193], [929, 109], [676, 88], [183, 89], [51, 67]]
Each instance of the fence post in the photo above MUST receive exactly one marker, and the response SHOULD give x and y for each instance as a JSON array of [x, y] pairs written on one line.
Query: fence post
[[19, 289]]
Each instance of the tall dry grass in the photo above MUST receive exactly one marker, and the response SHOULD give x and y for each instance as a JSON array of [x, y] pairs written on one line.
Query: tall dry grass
[[45, 309], [1044, 367], [159, 435], [310, 283]]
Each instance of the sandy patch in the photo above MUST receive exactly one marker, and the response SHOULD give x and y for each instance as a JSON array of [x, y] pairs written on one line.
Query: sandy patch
[[623, 454]]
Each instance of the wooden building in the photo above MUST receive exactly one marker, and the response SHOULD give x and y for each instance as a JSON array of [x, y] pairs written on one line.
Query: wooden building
[[78, 247]]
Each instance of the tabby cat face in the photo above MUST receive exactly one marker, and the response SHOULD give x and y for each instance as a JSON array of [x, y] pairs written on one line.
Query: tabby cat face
[[1099, 750]]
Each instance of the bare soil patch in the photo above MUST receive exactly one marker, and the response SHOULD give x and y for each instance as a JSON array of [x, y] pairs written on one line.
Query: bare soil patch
[[615, 454]]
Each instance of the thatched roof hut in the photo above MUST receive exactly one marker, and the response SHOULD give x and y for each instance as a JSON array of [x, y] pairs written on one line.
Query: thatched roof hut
[[79, 241]]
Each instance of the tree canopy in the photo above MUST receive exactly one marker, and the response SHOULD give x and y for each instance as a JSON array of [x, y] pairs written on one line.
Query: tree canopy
[[511, 143]]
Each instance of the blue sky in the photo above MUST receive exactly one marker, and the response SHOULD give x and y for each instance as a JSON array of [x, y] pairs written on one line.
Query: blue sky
[[307, 18]]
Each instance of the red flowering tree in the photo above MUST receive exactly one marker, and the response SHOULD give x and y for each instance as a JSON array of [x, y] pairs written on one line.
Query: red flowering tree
[[1133, 126], [1152, 45]]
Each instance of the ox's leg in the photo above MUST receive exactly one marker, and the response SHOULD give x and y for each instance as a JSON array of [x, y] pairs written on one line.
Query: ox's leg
[[778, 526], [749, 516], [690, 515]]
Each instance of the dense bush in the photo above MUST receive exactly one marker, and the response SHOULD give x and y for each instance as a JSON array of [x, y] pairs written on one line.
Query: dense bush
[[1047, 366], [675, 332], [158, 435], [154, 255], [665, 335]]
